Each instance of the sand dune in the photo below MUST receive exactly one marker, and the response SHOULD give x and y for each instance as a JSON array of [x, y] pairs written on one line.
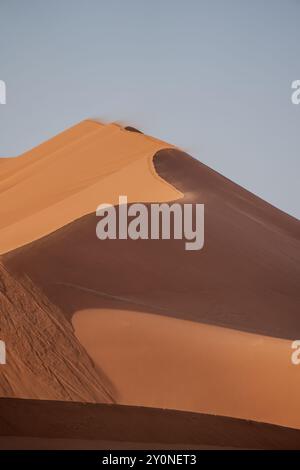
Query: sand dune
[[208, 331]]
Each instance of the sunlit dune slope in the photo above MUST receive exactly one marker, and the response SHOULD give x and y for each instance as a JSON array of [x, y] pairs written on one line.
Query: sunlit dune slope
[[163, 362], [70, 175]]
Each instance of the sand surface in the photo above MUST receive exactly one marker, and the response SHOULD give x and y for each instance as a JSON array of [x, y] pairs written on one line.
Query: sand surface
[[61, 425], [44, 358], [67, 177], [145, 322], [162, 362]]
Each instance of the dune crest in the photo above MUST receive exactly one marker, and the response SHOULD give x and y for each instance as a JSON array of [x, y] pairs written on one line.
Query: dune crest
[[71, 175]]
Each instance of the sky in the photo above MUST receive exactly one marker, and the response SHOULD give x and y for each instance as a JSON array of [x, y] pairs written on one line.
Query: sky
[[210, 76]]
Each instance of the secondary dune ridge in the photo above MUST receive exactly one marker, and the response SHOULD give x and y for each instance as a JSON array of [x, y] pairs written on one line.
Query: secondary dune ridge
[[206, 331], [62, 425]]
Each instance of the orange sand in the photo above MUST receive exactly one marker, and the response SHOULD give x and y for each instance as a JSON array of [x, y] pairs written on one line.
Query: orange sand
[[71, 175], [164, 362]]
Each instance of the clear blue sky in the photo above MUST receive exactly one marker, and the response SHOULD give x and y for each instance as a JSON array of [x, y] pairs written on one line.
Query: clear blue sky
[[211, 76]]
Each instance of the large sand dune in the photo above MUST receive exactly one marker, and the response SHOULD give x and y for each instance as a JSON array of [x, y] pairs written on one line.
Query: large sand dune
[[206, 331]]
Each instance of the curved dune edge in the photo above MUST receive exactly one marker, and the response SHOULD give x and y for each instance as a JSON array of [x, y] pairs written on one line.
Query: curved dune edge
[[65, 179], [164, 362]]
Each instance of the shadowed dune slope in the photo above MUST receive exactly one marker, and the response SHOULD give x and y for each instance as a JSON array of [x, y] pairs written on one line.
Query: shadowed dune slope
[[45, 425], [44, 358]]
